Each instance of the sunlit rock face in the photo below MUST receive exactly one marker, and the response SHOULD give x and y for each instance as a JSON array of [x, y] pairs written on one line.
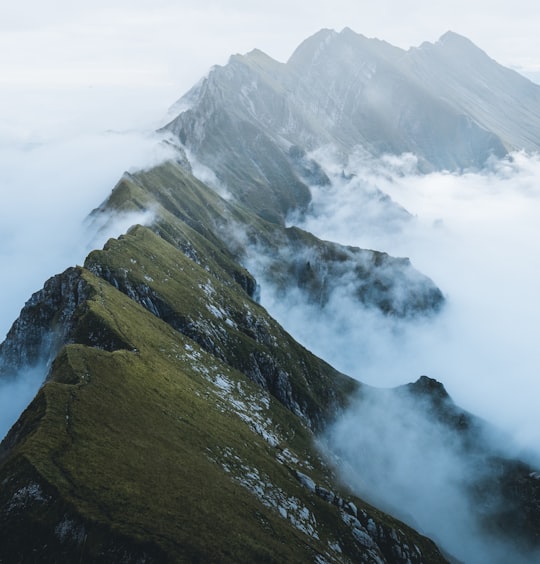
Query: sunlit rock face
[[343, 89], [465, 77]]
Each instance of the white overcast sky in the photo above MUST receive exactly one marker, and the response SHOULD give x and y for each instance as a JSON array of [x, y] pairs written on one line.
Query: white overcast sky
[[137, 56]]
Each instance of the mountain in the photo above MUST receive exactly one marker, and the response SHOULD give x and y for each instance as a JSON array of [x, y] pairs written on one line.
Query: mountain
[[448, 103], [456, 71], [178, 421]]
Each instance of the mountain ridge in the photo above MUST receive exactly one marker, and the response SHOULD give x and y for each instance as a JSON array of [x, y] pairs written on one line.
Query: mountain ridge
[[489, 92], [55, 497]]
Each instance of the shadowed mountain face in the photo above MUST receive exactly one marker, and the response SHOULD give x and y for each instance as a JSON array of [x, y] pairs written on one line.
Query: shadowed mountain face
[[179, 422], [448, 103]]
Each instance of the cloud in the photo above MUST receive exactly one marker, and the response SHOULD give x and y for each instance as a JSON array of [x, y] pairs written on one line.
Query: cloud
[[391, 450], [55, 167], [47, 191], [475, 235], [16, 394]]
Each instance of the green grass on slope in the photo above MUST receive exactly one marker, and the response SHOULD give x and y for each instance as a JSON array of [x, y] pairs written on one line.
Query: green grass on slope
[[159, 444], [135, 439], [160, 452], [145, 446], [220, 234], [220, 317], [189, 215]]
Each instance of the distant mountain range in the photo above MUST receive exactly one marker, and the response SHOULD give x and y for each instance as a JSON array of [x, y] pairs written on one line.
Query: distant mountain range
[[252, 120], [178, 421]]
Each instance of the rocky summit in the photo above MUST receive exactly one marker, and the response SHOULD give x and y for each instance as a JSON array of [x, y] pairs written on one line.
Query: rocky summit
[[448, 103], [177, 420]]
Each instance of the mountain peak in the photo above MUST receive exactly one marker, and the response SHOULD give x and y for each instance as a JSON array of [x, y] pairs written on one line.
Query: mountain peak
[[449, 41], [457, 44], [253, 55], [427, 386], [453, 36], [347, 31], [256, 60], [310, 47], [257, 54]]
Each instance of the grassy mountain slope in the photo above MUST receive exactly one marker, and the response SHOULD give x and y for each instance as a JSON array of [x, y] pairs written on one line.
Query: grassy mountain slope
[[192, 217], [154, 450], [178, 419], [222, 320]]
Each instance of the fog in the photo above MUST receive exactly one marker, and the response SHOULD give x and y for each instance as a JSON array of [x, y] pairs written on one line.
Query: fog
[[59, 158], [396, 455], [475, 234], [49, 189], [17, 394]]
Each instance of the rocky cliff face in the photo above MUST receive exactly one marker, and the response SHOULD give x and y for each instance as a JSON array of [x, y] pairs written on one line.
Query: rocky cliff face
[[248, 119], [455, 70], [48, 321]]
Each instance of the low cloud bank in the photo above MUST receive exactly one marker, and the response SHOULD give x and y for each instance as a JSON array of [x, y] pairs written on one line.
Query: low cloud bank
[[475, 234], [393, 452], [44, 229], [57, 163], [16, 394], [48, 190]]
